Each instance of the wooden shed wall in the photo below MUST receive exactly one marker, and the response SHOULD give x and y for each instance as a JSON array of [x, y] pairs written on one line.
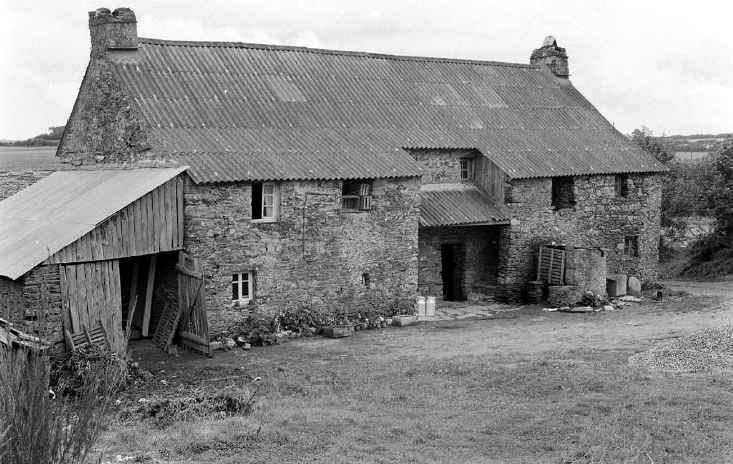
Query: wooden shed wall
[[152, 224], [90, 293], [490, 178]]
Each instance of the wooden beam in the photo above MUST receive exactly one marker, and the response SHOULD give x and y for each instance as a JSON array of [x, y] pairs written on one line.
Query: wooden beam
[[132, 300], [149, 295]]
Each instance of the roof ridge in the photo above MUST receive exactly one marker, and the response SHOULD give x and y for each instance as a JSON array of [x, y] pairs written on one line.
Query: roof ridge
[[325, 51]]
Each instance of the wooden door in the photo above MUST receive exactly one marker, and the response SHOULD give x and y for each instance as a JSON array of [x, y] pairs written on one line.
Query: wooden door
[[193, 328]]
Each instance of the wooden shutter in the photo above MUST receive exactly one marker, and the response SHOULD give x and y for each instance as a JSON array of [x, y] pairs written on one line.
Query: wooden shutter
[[551, 265], [365, 196]]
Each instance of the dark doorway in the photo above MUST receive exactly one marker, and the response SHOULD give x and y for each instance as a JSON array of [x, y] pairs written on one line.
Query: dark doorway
[[452, 269]]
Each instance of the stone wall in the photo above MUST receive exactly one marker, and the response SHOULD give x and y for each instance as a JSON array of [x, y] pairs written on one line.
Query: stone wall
[[15, 181], [103, 128], [314, 256], [599, 218], [33, 302], [481, 245]]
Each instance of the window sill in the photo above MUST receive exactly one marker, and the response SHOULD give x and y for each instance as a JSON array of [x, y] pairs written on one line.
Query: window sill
[[241, 303], [355, 210], [264, 220]]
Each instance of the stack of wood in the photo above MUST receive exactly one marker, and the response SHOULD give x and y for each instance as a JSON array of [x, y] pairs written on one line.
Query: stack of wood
[[12, 338]]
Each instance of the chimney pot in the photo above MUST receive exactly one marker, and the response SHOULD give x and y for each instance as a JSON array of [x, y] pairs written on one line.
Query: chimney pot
[[112, 30], [552, 56]]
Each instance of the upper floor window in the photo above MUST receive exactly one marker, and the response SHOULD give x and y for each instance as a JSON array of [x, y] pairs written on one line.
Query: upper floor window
[[563, 195], [631, 246], [242, 287], [265, 201], [356, 195], [466, 169], [621, 185]]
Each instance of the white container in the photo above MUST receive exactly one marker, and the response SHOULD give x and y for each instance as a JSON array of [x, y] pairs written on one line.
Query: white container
[[420, 306], [430, 306]]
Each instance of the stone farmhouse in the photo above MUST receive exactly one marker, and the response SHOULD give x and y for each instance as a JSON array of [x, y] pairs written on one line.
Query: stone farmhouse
[[325, 179]]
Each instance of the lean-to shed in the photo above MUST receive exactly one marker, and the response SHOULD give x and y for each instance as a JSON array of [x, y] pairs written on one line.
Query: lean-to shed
[[82, 249]]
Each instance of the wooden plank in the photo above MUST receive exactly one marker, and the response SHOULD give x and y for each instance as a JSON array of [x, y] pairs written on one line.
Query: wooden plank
[[180, 186], [149, 295], [133, 293]]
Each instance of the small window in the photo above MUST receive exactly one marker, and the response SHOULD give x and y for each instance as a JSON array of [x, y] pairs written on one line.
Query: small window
[[631, 246], [265, 201], [242, 287], [563, 196], [356, 196], [621, 185], [466, 169], [365, 279]]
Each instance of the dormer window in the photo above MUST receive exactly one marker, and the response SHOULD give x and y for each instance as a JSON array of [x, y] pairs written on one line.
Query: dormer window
[[466, 169], [356, 196]]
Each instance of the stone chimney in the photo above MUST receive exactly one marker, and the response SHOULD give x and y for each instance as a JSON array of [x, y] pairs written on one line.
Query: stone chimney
[[115, 30], [553, 56]]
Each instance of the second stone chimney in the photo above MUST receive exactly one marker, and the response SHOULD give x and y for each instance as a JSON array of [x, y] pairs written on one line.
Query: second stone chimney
[[551, 55], [112, 30]]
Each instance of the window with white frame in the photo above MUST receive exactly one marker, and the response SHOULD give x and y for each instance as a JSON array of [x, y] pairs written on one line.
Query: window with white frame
[[265, 201], [242, 287], [466, 169]]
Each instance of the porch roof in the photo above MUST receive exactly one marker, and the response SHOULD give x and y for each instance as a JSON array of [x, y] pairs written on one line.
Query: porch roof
[[459, 204]]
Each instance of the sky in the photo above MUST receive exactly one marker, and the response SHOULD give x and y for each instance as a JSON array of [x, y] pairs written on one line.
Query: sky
[[667, 65]]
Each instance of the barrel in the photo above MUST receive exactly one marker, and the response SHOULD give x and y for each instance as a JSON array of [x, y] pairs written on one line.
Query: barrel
[[430, 305], [420, 306]]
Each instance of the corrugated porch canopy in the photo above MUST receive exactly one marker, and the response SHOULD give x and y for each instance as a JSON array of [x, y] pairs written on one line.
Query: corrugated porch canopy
[[459, 204], [42, 219]]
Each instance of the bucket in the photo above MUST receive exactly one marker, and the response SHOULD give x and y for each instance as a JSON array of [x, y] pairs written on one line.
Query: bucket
[[430, 306], [420, 306]]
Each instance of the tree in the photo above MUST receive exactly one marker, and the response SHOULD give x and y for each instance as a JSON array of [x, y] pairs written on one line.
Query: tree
[[722, 195], [650, 144]]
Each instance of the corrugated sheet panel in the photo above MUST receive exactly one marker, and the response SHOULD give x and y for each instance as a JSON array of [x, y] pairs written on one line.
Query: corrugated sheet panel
[[42, 219], [458, 204], [257, 102]]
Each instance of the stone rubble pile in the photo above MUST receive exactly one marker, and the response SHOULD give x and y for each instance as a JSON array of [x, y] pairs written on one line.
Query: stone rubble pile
[[703, 350]]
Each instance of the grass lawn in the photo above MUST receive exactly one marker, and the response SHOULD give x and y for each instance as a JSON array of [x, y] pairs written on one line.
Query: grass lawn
[[529, 388]]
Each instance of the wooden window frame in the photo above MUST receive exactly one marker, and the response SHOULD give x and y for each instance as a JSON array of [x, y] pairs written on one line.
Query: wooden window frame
[[268, 200], [621, 185], [356, 196], [466, 167], [238, 279], [631, 246], [562, 183]]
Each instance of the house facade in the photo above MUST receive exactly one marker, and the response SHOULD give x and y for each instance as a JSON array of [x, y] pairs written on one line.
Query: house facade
[[324, 181]]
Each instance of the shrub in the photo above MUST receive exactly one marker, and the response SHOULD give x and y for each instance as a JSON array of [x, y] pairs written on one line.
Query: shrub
[[44, 427]]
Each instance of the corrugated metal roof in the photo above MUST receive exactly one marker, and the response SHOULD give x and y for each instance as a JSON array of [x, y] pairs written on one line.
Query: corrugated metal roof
[[458, 204], [40, 220], [236, 100]]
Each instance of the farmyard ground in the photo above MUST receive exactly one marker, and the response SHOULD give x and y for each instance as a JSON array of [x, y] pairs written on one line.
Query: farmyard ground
[[527, 386]]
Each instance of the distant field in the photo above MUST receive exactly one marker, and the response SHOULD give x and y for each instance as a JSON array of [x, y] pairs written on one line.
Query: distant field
[[28, 158]]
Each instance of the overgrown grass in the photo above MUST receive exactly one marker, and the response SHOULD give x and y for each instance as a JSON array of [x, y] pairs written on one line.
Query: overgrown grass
[[569, 407], [42, 427]]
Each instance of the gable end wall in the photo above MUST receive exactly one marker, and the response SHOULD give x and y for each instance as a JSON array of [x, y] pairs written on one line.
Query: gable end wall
[[599, 219]]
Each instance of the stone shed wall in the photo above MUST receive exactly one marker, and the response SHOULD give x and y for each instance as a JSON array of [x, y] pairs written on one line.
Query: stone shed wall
[[12, 182], [33, 302], [481, 246], [314, 256], [599, 218]]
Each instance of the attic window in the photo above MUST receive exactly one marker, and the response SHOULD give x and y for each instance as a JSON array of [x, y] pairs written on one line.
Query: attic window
[[563, 196], [356, 196], [621, 186], [284, 89]]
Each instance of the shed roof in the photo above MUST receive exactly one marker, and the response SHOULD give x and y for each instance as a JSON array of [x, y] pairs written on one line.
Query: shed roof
[[234, 110], [458, 204], [42, 219]]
